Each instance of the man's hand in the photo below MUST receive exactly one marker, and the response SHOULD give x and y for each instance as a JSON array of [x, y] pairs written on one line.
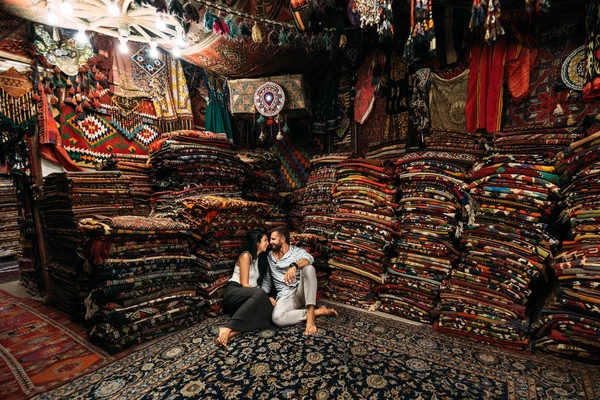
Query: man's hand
[[290, 275], [273, 302]]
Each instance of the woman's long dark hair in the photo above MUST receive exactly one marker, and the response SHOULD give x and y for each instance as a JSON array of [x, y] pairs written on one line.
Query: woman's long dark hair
[[252, 241]]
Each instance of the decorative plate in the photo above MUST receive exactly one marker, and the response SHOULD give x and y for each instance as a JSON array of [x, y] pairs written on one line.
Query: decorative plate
[[269, 99], [572, 72]]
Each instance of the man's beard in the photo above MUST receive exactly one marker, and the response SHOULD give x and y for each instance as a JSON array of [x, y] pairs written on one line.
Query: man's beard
[[276, 247]]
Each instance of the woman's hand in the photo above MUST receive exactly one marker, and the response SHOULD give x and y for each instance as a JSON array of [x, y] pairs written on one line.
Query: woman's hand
[[273, 302]]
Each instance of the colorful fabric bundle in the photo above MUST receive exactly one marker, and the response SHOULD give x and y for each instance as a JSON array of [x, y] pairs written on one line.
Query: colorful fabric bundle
[[433, 206], [365, 222], [169, 203], [293, 209], [387, 150], [506, 249], [535, 140], [139, 172], [350, 288], [68, 198], [569, 323], [10, 247], [261, 183], [141, 279], [183, 159], [457, 141]]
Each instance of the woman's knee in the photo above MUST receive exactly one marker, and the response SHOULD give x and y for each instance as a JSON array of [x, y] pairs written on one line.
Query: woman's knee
[[257, 292]]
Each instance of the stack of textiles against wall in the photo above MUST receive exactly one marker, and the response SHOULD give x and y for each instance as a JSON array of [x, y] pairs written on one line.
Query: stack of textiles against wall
[[170, 203], [531, 140], [365, 224], [386, 150], [569, 323], [460, 142], [318, 209], [137, 169], [292, 207], [223, 224], [69, 197], [10, 248], [318, 247], [184, 159], [432, 209], [262, 183], [142, 279], [505, 250]]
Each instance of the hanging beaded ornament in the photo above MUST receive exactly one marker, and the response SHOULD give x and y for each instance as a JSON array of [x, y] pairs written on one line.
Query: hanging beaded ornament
[[269, 99]]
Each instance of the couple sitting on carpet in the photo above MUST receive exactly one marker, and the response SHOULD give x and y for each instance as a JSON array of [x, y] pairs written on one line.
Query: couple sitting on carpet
[[247, 293]]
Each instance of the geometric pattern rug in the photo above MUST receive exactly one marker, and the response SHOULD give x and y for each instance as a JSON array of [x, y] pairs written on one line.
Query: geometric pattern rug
[[355, 355], [40, 348]]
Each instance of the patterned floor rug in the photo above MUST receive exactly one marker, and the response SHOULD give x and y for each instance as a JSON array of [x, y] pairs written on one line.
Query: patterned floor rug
[[355, 356], [40, 348]]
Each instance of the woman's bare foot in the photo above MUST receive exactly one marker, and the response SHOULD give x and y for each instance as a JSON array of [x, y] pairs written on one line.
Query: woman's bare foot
[[311, 329], [325, 311], [223, 336]]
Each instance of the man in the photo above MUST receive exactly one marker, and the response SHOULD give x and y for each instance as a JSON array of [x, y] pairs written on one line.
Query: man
[[295, 280]]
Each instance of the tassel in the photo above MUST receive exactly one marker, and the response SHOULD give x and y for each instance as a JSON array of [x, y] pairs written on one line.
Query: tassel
[[234, 30], [343, 41], [53, 100], [79, 109], [209, 20], [283, 39], [256, 34], [597, 117], [245, 30], [558, 111], [571, 121], [218, 27], [99, 87], [190, 13]]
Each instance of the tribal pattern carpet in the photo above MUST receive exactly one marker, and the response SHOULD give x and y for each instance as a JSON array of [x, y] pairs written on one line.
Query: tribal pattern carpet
[[40, 348], [357, 355]]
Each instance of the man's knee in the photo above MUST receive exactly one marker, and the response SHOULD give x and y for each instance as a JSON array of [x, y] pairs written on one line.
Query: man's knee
[[309, 272], [278, 317]]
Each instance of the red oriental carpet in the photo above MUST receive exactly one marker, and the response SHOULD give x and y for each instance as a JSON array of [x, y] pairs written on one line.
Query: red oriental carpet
[[40, 348]]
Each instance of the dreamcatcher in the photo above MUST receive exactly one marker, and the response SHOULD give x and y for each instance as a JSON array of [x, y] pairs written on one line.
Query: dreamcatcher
[[269, 99]]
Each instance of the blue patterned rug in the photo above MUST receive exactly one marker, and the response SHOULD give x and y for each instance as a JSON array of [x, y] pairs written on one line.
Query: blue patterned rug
[[356, 356]]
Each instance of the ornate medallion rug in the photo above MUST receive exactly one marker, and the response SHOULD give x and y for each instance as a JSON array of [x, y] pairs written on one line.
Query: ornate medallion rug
[[355, 356], [40, 348]]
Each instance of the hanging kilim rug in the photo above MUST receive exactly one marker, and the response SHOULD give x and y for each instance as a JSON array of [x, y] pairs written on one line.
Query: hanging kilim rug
[[40, 348], [356, 355]]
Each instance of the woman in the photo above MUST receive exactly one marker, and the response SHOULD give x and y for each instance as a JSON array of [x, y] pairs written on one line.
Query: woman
[[249, 306]]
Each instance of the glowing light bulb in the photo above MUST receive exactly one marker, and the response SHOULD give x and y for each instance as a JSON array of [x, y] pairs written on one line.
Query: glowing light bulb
[[52, 18], [113, 9], [81, 37], [153, 50], [123, 48], [179, 40], [66, 7], [160, 24], [176, 51]]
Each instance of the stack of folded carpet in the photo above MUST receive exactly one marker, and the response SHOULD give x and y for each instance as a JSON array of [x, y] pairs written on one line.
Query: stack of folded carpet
[[528, 140], [142, 279], [317, 205], [569, 323], [386, 150], [261, 183], [168, 204], [184, 159], [291, 204], [432, 209], [223, 224], [459, 142], [505, 250], [137, 169], [69, 197], [10, 248], [365, 225]]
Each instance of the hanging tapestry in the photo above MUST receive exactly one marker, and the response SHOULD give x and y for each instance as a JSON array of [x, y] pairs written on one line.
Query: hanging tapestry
[[91, 140], [217, 116], [486, 85], [327, 115], [367, 85], [396, 106], [572, 71], [297, 102], [374, 128], [545, 91], [420, 120], [447, 101], [591, 89], [165, 83], [14, 42], [521, 60]]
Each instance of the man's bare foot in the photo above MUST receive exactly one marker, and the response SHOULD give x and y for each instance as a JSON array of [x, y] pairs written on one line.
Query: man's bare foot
[[223, 336], [311, 329], [325, 311]]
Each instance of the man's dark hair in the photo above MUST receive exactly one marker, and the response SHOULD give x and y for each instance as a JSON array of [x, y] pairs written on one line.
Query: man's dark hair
[[282, 231]]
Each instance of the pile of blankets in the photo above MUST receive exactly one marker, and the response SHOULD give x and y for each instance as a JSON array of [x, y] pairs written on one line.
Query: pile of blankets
[[169, 204], [456, 141], [569, 323], [10, 233], [528, 140], [223, 223], [293, 209], [137, 169], [67, 198], [365, 224], [142, 278], [433, 206], [386, 150], [184, 159], [506, 250]]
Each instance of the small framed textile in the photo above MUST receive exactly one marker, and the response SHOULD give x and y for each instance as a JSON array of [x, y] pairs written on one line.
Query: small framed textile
[[297, 101]]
